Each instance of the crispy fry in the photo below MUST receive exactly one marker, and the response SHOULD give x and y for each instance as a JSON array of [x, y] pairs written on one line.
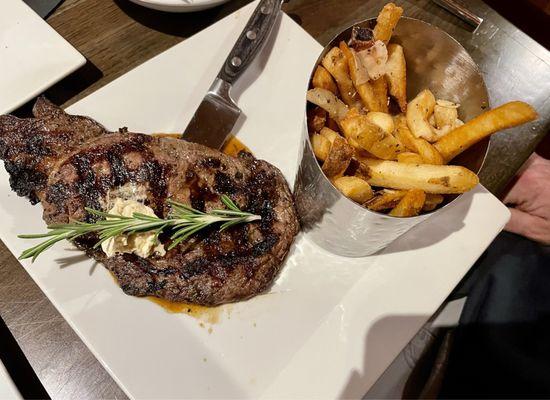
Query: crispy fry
[[380, 88], [432, 201], [336, 63], [365, 90], [385, 199], [429, 178], [321, 146], [386, 22], [323, 79], [338, 158], [354, 188], [445, 113], [418, 112], [316, 119], [410, 205], [382, 120], [359, 130], [410, 158], [427, 151], [503, 117], [329, 134], [328, 101], [396, 75]]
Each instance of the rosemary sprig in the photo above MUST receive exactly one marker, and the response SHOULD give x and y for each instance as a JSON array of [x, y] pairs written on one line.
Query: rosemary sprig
[[183, 222]]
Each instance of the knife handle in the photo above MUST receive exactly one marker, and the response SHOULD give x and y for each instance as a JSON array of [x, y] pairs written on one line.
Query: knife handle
[[251, 40]]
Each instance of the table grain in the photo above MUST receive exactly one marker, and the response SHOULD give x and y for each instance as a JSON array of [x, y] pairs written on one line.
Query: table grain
[[116, 36]]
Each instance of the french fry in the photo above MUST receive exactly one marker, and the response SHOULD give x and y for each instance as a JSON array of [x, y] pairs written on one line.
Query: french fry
[[336, 63], [439, 179], [321, 146], [355, 123], [426, 150], [385, 199], [432, 201], [354, 188], [410, 158], [338, 158], [329, 134], [445, 113], [386, 22], [323, 79], [506, 116], [418, 112], [328, 101], [365, 90], [382, 120], [360, 131], [316, 119], [380, 88], [410, 205], [396, 75]]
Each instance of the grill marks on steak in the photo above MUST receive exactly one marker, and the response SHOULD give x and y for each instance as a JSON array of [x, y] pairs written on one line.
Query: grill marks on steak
[[212, 267], [30, 147]]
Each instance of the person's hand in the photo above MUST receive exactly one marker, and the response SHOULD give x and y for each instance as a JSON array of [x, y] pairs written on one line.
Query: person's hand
[[529, 201]]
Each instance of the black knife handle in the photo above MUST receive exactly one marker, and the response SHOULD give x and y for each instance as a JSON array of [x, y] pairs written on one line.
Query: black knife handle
[[251, 40]]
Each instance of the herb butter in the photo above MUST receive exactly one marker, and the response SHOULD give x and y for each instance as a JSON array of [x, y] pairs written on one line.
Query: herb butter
[[143, 244]]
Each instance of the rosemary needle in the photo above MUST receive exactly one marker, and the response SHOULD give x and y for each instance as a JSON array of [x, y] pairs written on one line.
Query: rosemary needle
[[183, 222]]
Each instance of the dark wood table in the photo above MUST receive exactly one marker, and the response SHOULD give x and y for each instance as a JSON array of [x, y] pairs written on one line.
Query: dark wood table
[[116, 36]]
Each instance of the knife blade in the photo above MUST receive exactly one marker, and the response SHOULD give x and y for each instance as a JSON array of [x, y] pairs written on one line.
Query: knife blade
[[217, 114], [43, 7]]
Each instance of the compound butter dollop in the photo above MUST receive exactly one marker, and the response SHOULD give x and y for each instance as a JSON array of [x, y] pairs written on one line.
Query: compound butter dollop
[[143, 244]]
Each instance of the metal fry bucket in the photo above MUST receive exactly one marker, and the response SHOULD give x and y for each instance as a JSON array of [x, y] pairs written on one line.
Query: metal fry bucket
[[434, 60]]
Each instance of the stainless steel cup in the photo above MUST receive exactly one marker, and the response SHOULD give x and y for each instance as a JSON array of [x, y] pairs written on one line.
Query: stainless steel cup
[[434, 60]]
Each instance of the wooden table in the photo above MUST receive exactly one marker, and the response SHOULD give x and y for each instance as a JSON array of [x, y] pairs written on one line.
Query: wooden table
[[115, 36]]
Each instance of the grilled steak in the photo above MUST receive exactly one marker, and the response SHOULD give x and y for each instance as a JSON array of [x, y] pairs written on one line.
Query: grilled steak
[[71, 162]]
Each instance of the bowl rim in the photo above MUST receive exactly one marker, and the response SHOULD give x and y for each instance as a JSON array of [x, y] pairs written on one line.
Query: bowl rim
[[358, 206]]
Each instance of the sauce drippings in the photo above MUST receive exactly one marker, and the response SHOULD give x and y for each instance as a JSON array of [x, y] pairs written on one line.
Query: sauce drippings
[[211, 315]]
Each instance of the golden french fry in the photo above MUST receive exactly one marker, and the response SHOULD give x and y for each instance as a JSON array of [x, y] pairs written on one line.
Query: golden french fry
[[365, 90], [328, 101], [321, 146], [386, 22], [410, 158], [418, 112], [506, 116], [410, 205], [338, 158], [439, 179], [385, 199], [445, 113], [354, 188], [323, 79], [329, 134], [380, 87], [336, 63], [316, 119], [427, 151], [432, 201], [382, 120], [396, 75], [355, 123], [370, 137]]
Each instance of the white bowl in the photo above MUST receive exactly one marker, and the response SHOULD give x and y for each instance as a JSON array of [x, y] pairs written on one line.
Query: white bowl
[[179, 5]]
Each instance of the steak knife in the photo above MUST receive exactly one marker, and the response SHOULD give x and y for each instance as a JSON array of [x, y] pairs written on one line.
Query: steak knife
[[217, 114]]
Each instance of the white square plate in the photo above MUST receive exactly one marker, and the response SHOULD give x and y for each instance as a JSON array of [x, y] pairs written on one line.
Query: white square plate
[[32, 55], [328, 327]]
